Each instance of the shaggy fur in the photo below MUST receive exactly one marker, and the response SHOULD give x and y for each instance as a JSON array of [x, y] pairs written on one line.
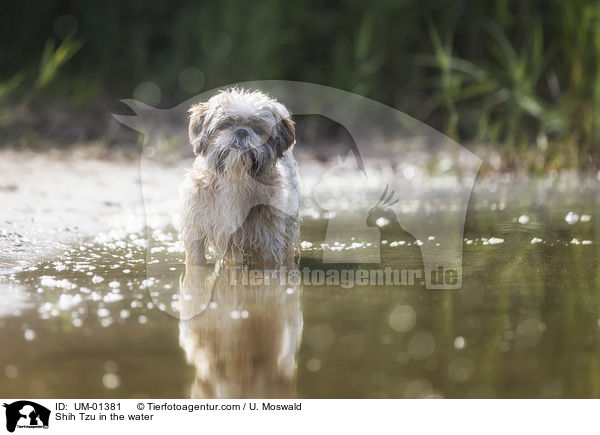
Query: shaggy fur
[[249, 356], [242, 194]]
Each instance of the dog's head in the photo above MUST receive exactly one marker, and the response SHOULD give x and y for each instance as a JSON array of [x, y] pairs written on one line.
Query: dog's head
[[239, 130]]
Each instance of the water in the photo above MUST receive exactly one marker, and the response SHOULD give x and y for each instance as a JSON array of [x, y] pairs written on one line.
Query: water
[[526, 322]]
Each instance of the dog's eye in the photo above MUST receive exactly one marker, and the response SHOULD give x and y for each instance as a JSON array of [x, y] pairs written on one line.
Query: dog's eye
[[224, 126], [259, 130]]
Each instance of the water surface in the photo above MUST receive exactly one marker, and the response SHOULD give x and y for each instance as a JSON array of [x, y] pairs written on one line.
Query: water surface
[[526, 322]]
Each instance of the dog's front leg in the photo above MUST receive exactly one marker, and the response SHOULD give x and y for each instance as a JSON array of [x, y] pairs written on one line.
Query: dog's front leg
[[195, 253], [234, 256]]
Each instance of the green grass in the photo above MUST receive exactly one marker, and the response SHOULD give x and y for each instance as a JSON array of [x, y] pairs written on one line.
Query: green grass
[[524, 76]]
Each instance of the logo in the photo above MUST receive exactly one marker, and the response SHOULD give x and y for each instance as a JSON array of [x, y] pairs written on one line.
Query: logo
[[25, 414], [396, 196]]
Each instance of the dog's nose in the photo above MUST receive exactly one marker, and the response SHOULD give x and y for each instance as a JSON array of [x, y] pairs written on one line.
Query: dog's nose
[[241, 133]]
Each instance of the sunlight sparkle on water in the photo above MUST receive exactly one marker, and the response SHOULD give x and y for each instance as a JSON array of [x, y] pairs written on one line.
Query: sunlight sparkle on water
[[571, 218]]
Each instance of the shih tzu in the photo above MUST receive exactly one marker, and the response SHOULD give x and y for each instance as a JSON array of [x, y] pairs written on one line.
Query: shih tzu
[[242, 194]]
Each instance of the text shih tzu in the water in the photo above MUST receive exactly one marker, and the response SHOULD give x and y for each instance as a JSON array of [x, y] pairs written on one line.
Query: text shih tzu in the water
[[241, 195]]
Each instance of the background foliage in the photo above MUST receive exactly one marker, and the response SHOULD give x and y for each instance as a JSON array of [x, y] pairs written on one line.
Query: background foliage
[[524, 75]]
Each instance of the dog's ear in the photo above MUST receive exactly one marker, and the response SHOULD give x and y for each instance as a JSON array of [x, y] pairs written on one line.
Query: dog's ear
[[198, 114], [285, 138]]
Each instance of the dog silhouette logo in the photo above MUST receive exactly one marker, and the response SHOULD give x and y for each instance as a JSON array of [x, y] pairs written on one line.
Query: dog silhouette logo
[[397, 195], [26, 414]]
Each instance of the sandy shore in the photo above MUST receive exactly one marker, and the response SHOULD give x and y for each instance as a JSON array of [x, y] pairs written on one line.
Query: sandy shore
[[51, 200]]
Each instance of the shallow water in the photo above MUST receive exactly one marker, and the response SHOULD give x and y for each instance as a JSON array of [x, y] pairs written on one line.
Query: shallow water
[[526, 322]]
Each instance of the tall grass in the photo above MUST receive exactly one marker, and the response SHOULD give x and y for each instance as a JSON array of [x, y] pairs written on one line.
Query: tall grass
[[536, 81], [52, 59], [520, 74]]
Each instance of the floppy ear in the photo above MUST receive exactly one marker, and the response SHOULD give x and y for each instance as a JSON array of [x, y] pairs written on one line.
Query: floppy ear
[[198, 114], [285, 138]]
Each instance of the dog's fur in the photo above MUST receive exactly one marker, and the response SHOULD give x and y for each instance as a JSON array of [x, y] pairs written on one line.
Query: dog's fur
[[252, 355], [242, 194]]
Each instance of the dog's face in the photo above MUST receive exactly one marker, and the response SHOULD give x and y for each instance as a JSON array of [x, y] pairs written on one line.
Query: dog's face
[[238, 132]]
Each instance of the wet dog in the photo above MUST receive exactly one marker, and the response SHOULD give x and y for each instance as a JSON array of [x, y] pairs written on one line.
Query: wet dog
[[242, 194]]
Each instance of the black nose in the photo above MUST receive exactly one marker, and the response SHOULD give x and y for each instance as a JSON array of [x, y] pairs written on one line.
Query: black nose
[[241, 133]]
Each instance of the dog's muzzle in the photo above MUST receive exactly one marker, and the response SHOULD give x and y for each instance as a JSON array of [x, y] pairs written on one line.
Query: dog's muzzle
[[241, 134]]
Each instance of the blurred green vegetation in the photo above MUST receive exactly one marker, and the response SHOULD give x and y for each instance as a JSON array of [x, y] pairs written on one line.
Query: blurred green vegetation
[[524, 75]]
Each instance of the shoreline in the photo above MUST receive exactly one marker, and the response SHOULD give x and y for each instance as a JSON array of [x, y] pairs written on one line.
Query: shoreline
[[53, 200]]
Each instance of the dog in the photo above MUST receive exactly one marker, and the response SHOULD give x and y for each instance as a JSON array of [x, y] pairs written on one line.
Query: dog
[[242, 193]]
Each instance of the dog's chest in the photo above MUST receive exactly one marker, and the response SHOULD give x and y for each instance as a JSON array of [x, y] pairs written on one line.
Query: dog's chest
[[230, 203]]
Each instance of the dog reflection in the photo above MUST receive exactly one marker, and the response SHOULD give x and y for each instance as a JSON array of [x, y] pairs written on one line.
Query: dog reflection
[[242, 339]]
